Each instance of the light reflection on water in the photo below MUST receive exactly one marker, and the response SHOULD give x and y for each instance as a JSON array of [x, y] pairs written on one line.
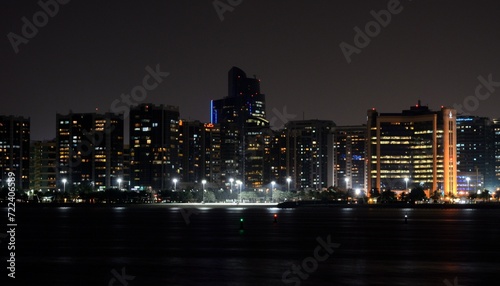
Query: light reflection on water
[[158, 246]]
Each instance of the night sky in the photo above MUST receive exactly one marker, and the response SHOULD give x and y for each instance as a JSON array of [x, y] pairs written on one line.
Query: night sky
[[91, 52]]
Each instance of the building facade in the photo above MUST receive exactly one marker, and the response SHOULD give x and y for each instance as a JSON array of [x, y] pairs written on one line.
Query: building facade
[[15, 150], [309, 150], [416, 146], [348, 167], [43, 166], [476, 152], [90, 149], [199, 152], [154, 146], [242, 119]]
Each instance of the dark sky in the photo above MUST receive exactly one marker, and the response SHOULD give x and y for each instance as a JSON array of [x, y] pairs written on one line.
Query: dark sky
[[90, 52]]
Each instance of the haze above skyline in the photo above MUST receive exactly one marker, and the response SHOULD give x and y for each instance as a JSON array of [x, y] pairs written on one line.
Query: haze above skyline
[[89, 53]]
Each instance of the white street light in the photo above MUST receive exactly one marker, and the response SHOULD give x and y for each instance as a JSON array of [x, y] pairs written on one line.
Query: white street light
[[231, 180], [64, 184], [346, 182], [272, 189], [203, 183], [175, 184], [357, 192], [468, 183], [119, 183], [406, 181], [288, 180], [238, 182]]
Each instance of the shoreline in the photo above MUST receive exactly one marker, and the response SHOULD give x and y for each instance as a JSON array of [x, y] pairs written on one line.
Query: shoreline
[[286, 205]]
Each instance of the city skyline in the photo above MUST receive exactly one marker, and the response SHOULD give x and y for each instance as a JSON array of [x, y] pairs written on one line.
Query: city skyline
[[294, 49], [476, 156], [250, 142]]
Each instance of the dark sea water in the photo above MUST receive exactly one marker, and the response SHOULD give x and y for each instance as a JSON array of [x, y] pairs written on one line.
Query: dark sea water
[[160, 245]]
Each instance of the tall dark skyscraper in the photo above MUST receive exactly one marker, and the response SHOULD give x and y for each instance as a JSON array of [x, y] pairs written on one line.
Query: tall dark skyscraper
[[349, 157], [309, 150], [154, 146], [496, 146], [199, 152], [276, 167], [243, 122], [416, 146], [475, 153], [90, 149], [43, 166], [15, 149]]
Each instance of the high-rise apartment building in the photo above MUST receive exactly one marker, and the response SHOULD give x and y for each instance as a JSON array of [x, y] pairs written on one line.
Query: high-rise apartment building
[[475, 152], [154, 146], [90, 149], [15, 150], [496, 153], [243, 122], [416, 146], [276, 159], [348, 168], [309, 149], [43, 166], [199, 152]]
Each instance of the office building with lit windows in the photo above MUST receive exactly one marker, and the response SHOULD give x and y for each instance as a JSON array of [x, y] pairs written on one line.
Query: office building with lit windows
[[15, 150], [276, 158], [348, 166], [154, 146], [416, 146], [43, 166], [89, 150], [475, 153], [495, 127], [309, 147], [199, 154], [242, 118]]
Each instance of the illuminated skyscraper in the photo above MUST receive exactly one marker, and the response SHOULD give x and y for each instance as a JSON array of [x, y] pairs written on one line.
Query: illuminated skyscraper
[[243, 122], [199, 151], [15, 150], [475, 153], [154, 146], [496, 146], [349, 157], [89, 149], [309, 149], [417, 144], [43, 165]]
